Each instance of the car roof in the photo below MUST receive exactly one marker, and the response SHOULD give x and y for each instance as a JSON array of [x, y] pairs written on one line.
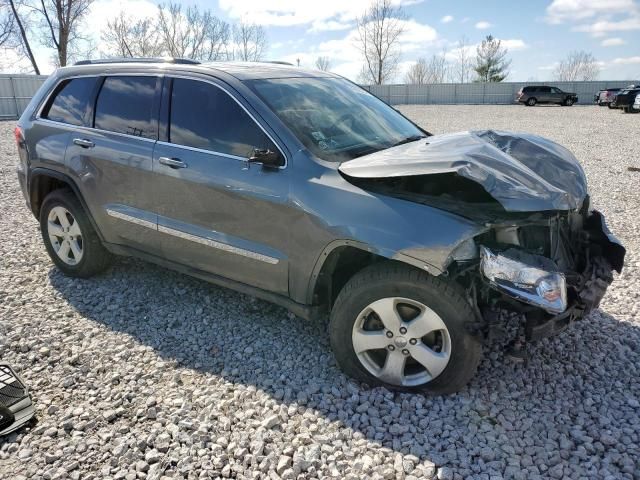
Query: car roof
[[240, 70]]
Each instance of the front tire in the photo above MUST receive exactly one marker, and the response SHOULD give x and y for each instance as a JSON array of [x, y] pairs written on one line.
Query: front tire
[[568, 102], [398, 327], [69, 236]]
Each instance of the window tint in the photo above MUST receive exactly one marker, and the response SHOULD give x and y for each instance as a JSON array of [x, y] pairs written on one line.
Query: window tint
[[204, 116], [69, 103], [556, 90], [544, 89], [125, 105]]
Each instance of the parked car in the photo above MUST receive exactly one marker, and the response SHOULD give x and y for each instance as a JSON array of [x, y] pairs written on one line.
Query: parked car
[[545, 94], [301, 188], [626, 97], [636, 104], [604, 97]]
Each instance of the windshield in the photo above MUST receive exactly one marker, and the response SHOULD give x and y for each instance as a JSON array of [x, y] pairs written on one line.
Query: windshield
[[335, 119]]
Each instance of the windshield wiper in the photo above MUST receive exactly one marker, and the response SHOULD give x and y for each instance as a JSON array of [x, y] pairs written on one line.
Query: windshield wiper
[[412, 138]]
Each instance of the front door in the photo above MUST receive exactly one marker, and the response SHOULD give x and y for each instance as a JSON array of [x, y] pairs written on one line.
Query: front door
[[113, 160], [217, 212]]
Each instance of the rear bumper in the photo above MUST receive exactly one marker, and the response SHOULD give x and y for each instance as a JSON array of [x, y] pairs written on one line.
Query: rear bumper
[[22, 180]]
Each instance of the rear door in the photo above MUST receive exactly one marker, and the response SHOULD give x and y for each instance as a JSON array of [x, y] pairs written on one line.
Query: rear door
[[65, 111], [544, 94], [216, 212], [113, 160]]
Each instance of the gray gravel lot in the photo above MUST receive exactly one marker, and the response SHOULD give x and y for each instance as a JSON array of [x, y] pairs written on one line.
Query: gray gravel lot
[[143, 372]]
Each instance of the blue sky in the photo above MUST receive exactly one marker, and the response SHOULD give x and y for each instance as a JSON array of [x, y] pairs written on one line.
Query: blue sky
[[537, 33]]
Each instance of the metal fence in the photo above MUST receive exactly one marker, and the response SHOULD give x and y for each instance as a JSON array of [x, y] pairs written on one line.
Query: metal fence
[[17, 90], [15, 93], [482, 93]]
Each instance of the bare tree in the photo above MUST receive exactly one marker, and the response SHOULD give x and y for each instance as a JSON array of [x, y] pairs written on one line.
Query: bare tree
[[379, 31], [462, 69], [192, 33], [60, 22], [250, 42], [417, 73], [491, 61], [7, 24], [126, 37], [23, 43], [577, 66], [426, 71], [323, 63]]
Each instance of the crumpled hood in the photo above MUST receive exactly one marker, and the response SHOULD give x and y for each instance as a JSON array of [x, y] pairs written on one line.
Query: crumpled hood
[[523, 172]]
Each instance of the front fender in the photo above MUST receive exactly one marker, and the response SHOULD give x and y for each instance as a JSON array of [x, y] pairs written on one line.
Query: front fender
[[335, 213]]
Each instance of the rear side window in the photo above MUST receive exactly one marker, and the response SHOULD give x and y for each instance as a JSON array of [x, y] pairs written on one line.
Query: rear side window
[[544, 89], [70, 101], [125, 105], [204, 116], [528, 89]]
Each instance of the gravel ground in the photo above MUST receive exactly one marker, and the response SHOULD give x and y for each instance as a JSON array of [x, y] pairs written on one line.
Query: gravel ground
[[142, 372]]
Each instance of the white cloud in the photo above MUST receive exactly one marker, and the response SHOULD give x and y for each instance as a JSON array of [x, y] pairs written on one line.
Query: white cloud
[[602, 27], [561, 11], [328, 25], [483, 25], [295, 12], [625, 60], [345, 56], [612, 42], [514, 44], [511, 44], [103, 10], [446, 19]]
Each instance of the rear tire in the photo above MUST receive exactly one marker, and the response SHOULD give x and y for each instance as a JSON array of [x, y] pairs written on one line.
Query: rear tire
[[531, 102], [69, 237], [366, 343], [611, 106]]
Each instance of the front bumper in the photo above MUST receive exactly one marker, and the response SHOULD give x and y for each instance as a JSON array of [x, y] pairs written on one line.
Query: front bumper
[[553, 292]]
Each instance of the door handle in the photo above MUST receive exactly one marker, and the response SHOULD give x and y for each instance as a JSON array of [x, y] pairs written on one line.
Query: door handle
[[172, 162], [84, 143]]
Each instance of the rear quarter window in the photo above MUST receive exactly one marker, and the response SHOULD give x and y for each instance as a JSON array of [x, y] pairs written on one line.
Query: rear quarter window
[[126, 105], [70, 101]]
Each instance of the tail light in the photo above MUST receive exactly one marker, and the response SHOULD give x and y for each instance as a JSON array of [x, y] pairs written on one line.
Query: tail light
[[17, 132]]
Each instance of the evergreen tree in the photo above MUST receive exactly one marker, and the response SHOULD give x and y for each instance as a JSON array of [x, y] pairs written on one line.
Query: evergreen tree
[[491, 62]]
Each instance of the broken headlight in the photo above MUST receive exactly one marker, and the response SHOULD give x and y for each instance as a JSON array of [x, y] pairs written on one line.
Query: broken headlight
[[528, 283]]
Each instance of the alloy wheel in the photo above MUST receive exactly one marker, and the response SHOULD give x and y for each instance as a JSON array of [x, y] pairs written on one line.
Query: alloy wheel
[[401, 341], [65, 235]]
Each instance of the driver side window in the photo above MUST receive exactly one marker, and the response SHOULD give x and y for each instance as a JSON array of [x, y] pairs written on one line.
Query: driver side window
[[206, 117]]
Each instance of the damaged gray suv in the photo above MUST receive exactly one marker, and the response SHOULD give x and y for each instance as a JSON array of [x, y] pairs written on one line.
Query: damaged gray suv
[[301, 188]]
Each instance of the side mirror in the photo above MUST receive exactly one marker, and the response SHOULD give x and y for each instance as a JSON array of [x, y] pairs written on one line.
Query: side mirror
[[266, 157]]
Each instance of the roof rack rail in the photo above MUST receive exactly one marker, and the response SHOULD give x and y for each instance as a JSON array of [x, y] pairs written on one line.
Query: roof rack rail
[[183, 61], [278, 62]]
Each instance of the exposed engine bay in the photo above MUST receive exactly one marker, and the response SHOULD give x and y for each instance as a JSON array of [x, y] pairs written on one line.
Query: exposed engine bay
[[551, 266], [553, 270]]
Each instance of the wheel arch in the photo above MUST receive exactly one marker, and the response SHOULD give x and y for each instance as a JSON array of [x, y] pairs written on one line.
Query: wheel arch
[[43, 181], [342, 259]]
